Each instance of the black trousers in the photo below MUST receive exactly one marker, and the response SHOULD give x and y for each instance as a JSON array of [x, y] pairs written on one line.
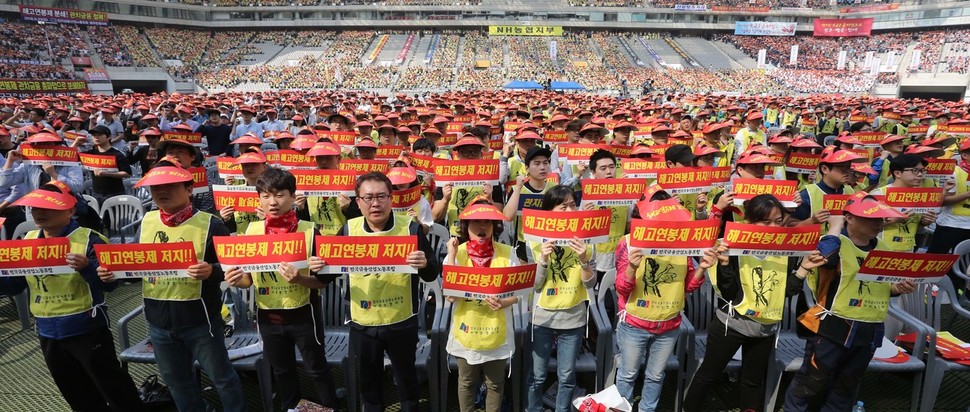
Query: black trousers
[[831, 375], [278, 343], [755, 354], [88, 374], [370, 344], [945, 238]]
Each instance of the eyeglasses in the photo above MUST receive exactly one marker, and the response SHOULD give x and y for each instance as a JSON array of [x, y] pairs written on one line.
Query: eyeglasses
[[915, 170], [381, 198]]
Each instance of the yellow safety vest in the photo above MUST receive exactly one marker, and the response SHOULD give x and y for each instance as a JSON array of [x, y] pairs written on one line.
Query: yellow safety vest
[[750, 137], [772, 116], [884, 173], [378, 299], [460, 198], [763, 285], [815, 196], [195, 230], [326, 212], [243, 219], [659, 295], [830, 126], [789, 119], [274, 291], [518, 219], [618, 221], [961, 209], [863, 301], [475, 325], [899, 237], [516, 168], [563, 286], [62, 294]]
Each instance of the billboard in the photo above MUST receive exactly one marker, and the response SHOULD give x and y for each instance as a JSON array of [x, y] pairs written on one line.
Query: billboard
[[843, 27], [52, 15], [764, 28], [525, 30], [20, 86]]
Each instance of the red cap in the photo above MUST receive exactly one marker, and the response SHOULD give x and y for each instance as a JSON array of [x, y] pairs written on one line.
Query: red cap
[[304, 142], [805, 144], [164, 175], [755, 158], [862, 167], [704, 150], [755, 116], [715, 127], [872, 209], [366, 143], [526, 135], [45, 199], [402, 175], [842, 156], [891, 138], [255, 157], [667, 210], [324, 149], [482, 211], [248, 138], [44, 137]]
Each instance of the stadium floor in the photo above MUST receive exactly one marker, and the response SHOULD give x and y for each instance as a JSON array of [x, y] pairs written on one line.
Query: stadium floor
[[25, 384]]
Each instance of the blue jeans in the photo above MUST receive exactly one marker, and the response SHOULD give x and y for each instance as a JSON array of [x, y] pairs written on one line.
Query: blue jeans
[[175, 352], [634, 344], [567, 351]]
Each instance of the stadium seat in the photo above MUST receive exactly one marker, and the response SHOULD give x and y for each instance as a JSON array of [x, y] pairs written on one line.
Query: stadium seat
[[123, 216]]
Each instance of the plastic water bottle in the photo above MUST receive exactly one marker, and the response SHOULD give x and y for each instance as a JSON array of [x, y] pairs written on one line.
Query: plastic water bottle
[[859, 407]]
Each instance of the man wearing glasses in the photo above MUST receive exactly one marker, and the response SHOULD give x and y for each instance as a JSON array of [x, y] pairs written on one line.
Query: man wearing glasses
[[836, 174], [899, 234], [383, 306]]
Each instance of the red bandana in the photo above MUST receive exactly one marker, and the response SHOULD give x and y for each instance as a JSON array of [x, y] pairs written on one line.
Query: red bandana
[[964, 165], [177, 218], [480, 252], [283, 224]]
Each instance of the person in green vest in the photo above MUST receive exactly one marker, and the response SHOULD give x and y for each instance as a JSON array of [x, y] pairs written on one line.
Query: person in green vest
[[71, 315], [564, 276], [908, 171], [772, 115], [953, 224], [481, 337], [892, 146], [828, 125], [845, 326], [450, 201], [603, 165], [752, 134], [184, 324], [751, 292], [287, 301], [253, 165], [531, 186], [836, 171], [330, 213], [384, 307]]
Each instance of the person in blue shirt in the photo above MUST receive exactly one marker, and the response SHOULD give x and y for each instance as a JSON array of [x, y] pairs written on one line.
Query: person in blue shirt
[[72, 320], [35, 176]]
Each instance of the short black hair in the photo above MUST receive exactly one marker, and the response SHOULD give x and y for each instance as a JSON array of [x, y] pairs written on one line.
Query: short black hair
[[575, 125], [759, 208], [374, 177], [600, 154], [480, 132], [423, 143], [556, 196], [38, 111], [274, 180], [905, 161]]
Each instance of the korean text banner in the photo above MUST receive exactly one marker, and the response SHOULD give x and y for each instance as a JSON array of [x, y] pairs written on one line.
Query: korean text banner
[[240, 198], [525, 30], [57, 156], [642, 168], [577, 154], [290, 160], [591, 227], [262, 253], [481, 283], [668, 237], [613, 192], [940, 169], [843, 27], [466, 173], [20, 86], [195, 139], [366, 254], [747, 189], [802, 163], [886, 266], [52, 15], [764, 28], [104, 163], [835, 204], [364, 166], [147, 260], [404, 200], [200, 180], [325, 183], [685, 180], [747, 239], [228, 168], [35, 257], [915, 199]]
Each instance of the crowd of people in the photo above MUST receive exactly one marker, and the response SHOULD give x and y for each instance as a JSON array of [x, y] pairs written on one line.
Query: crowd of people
[[427, 78], [31, 42], [36, 72], [453, 226], [823, 81], [136, 45], [815, 4]]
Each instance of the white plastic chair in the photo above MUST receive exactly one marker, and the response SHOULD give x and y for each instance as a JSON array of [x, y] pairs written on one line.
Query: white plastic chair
[[123, 215], [21, 231], [92, 203]]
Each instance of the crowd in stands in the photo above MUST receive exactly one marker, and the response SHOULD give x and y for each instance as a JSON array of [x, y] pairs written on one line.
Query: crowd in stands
[[529, 58], [363, 77], [574, 47], [109, 46], [36, 72], [480, 46], [750, 81], [425, 78], [887, 78], [138, 49], [469, 78], [446, 52], [699, 80], [823, 81], [610, 49], [815, 4]]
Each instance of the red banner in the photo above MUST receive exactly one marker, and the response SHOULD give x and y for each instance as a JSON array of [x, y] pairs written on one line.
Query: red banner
[[57, 155], [447, 141], [642, 168], [240, 198], [404, 200], [147, 260], [389, 152], [940, 169], [835, 204], [918, 129], [466, 173], [325, 183], [555, 136], [721, 176], [423, 164], [685, 180], [228, 168], [748, 239], [613, 192], [869, 139], [673, 238], [480, 283], [344, 139], [578, 154], [193, 138], [104, 163], [290, 160], [783, 190], [361, 166], [802, 163], [35, 257], [81, 61], [366, 254], [200, 180], [893, 267], [590, 226], [22, 86], [72, 136], [956, 128], [915, 199], [843, 27], [52, 15], [262, 253], [96, 75]]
